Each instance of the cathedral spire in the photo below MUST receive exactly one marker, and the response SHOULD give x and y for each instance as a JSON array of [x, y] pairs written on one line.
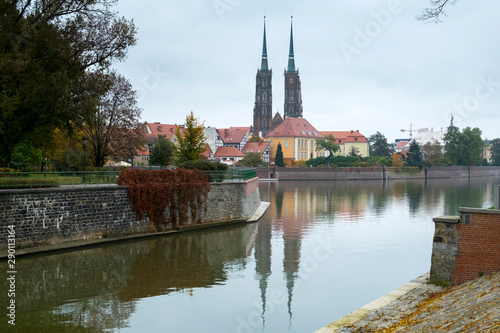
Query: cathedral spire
[[264, 49], [291, 60]]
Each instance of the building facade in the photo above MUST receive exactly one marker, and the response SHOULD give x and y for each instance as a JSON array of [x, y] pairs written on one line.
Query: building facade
[[297, 138]]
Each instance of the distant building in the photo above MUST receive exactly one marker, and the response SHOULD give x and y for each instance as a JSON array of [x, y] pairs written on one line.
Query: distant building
[[228, 155], [297, 137], [262, 147], [424, 136], [488, 146], [347, 140]]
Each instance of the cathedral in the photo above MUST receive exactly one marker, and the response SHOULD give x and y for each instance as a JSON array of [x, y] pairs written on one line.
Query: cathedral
[[263, 120]]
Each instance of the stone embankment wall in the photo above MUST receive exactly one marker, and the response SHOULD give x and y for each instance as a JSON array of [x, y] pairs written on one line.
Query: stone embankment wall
[[373, 173], [465, 246], [56, 215]]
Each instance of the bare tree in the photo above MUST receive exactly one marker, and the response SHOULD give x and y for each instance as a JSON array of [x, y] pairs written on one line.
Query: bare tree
[[434, 13], [109, 116]]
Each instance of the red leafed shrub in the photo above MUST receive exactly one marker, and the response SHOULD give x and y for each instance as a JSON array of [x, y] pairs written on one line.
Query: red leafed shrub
[[178, 190]]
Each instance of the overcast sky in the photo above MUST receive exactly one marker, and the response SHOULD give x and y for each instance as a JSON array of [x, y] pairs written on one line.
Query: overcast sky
[[364, 65]]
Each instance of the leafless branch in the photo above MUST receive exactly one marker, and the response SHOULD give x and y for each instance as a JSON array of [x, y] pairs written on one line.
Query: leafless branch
[[434, 13]]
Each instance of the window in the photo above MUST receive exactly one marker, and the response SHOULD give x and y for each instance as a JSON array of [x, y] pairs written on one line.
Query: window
[[286, 143], [312, 143], [355, 139]]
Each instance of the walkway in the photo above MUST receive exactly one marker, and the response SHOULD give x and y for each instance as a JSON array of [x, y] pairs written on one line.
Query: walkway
[[473, 306]]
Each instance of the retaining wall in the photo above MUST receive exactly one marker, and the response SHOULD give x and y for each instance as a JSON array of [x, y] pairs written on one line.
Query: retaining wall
[[373, 173], [56, 215], [466, 246]]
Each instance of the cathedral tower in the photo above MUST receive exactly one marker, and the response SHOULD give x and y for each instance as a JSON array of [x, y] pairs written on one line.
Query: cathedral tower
[[262, 111], [293, 95]]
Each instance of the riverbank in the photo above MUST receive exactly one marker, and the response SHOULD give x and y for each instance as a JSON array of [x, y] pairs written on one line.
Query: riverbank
[[374, 173], [97, 242], [421, 307]]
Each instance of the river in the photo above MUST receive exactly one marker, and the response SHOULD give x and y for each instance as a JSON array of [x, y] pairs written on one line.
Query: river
[[322, 250]]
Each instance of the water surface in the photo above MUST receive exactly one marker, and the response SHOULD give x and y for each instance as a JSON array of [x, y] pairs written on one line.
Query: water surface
[[322, 250]]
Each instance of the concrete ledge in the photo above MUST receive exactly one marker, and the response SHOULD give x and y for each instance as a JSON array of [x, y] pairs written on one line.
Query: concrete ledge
[[380, 302], [478, 210], [447, 219], [259, 212]]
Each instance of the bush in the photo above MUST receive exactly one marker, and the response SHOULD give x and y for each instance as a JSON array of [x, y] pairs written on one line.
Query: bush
[[203, 165]]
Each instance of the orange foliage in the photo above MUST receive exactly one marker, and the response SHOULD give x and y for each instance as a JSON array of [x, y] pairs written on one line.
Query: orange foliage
[[178, 190]]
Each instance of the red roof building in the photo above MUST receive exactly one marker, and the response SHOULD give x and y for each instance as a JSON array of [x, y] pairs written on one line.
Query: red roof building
[[261, 147], [228, 155]]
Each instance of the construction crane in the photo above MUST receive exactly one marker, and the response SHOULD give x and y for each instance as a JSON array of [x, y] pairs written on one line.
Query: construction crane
[[410, 130]]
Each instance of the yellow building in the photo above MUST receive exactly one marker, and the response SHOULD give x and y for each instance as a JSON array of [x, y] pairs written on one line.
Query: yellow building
[[297, 137], [349, 140]]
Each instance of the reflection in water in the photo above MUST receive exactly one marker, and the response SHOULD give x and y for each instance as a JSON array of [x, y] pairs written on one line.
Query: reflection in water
[[374, 222], [97, 288]]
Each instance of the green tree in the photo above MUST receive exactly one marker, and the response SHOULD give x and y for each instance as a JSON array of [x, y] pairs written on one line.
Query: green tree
[[327, 143], [26, 157], [495, 152], [354, 151], [379, 146], [414, 155], [162, 152], [44, 47], [464, 148], [432, 153], [190, 140], [252, 159], [255, 138], [278, 159]]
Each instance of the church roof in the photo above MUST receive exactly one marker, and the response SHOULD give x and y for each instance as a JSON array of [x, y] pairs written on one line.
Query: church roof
[[263, 64], [295, 127], [277, 117], [291, 60]]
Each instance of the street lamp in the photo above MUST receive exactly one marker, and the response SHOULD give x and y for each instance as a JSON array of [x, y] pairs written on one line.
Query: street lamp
[[132, 154], [150, 145], [84, 144]]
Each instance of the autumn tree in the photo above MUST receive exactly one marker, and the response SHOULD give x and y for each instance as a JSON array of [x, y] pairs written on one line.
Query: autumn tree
[[162, 152], [190, 140], [397, 161], [44, 47], [432, 153], [328, 143], [108, 115], [278, 159]]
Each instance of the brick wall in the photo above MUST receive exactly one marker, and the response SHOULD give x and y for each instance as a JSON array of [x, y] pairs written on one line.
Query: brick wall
[[465, 246], [478, 244], [47, 216]]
